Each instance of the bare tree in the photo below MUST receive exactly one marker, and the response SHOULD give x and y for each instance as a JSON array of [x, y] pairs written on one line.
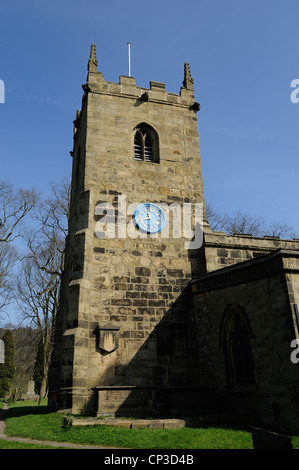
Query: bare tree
[[51, 216], [38, 283], [7, 259], [281, 230], [37, 297], [243, 223], [14, 207], [54, 211]]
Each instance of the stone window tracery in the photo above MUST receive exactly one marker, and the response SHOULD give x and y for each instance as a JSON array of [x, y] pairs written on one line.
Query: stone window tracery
[[146, 145]]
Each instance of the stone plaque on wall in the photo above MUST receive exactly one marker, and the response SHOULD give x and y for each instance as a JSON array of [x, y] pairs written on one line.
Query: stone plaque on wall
[[108, 338], [2, 352], [123, 399]]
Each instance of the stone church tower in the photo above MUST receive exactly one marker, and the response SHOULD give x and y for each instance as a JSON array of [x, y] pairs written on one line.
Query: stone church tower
[[157, 311], [125, 340]]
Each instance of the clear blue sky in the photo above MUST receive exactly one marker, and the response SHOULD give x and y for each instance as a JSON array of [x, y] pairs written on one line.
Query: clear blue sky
[[243, 55]]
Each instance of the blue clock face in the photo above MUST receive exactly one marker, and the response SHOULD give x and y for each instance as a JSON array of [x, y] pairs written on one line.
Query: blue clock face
[[149, 218]]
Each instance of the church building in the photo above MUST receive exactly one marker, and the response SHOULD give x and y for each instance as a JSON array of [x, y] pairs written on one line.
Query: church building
[[158, 313]]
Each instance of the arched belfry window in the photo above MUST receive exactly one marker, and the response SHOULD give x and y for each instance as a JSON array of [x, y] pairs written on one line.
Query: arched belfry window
[[146, 144], [235, 341]]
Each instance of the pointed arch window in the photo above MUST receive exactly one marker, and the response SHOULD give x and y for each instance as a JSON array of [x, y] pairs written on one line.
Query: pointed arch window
[[146, 144], [236, 337]]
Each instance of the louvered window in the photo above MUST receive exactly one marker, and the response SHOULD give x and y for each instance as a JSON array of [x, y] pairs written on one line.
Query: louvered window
[[146, 144], [148, 149], [138, 146]]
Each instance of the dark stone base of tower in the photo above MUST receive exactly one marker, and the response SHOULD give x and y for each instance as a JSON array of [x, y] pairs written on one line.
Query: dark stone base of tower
[[153, 323]]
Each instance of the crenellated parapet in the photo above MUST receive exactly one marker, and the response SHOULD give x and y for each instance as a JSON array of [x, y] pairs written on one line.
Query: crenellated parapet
[[127, 87]]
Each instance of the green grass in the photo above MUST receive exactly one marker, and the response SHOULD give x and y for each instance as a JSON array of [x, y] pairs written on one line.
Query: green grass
[[24, 445], [25, 419]]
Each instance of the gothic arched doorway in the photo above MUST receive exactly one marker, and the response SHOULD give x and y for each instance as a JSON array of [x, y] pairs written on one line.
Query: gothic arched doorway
[[235, 342]]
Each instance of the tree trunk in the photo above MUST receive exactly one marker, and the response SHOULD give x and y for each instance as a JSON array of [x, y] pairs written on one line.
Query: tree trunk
[[43, 388]]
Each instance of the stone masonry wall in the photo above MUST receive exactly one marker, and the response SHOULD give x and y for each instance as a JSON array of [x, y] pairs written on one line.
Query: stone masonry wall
[[265, 296], [132, 288], [223, 250]]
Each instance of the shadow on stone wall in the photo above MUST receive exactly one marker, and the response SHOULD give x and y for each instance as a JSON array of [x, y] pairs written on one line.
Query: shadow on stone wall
[[165, 377]]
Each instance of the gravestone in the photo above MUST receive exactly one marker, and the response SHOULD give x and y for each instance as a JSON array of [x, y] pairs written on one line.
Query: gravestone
[[2, 352], [263, 439], [31, 395]]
